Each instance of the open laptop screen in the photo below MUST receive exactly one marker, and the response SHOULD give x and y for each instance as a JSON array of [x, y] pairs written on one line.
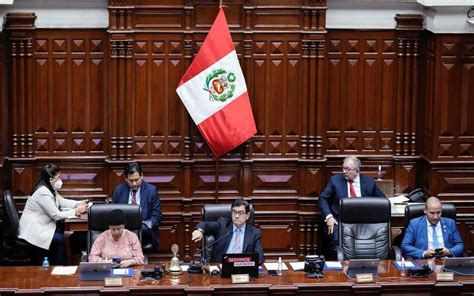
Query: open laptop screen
[[461, 265], [94, 271], [362, 266], [246, 263]]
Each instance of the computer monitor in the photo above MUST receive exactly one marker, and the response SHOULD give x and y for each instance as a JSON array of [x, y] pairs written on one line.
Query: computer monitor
[[246, 263], [460, 266], [363, 266], [95, 271]]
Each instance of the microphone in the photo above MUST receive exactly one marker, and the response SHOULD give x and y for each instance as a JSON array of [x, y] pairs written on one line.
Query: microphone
[[197, 267]]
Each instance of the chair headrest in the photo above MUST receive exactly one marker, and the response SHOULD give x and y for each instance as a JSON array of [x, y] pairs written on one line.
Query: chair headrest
[[99, 213], [10, 215], [214, 212], [364, 210], [416, 210]]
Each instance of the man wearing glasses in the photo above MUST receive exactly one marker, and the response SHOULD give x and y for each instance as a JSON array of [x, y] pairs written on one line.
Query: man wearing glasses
[[232, 236], [136, 191], [350, 184]]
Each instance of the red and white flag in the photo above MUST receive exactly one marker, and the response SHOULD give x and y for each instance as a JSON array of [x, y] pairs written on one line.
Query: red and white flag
[[214, 92]]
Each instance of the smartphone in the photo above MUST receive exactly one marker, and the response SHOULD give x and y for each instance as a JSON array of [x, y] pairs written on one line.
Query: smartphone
[[272, 272], [438, 250]]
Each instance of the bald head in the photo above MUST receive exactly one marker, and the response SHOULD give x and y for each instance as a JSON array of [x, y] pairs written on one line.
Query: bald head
[[433, 210]]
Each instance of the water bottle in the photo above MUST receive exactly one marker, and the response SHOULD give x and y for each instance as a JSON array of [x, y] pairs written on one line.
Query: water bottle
[[45, 263], [280, 266], [403, 266]]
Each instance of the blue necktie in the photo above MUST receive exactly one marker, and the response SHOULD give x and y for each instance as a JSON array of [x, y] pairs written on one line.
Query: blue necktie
[[435, 237]]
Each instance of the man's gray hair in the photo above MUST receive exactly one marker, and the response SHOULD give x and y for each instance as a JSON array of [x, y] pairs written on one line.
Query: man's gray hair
[[354, 160]]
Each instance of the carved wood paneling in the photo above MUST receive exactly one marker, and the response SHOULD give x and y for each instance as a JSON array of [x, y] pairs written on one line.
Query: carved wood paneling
[[361, 93], [90, 100], [70, 93]]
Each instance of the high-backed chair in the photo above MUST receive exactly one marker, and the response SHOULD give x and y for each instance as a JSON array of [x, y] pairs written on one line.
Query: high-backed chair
[[364, 229], [212, 213], [98, 216], [416, 210], [17, 251]]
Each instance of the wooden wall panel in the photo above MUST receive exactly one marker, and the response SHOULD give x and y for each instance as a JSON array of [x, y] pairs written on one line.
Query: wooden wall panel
[[69, 82], [359, 109], [92, 100]]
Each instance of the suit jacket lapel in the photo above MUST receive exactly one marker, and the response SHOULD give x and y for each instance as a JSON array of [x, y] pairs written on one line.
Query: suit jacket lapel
[[247, 236], [424, 233], [229, 237], [444, 232], [344, 187], [363, 187]]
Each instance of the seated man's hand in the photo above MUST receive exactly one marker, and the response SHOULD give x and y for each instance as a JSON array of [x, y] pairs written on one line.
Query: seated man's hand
[[330, 223], [430, 253], [196, 235], [127, 263], [444, 253]]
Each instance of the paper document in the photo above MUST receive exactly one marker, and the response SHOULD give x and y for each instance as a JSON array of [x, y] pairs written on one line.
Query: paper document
[[332, 265], [399, 199], [64, 270], [123, 272], [297, 265], [274, 266]]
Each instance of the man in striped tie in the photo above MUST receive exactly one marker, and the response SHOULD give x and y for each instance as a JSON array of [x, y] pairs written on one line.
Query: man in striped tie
[[348, 184], [234, 235]]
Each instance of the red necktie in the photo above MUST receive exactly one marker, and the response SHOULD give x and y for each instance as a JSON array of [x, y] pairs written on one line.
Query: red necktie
[[353, 192], [134, 197]]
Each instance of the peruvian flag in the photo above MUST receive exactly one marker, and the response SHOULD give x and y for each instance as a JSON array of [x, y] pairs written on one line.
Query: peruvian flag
[[214, 92]]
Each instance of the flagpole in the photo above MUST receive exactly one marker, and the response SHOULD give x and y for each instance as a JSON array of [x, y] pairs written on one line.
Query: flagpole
[[216, 179]]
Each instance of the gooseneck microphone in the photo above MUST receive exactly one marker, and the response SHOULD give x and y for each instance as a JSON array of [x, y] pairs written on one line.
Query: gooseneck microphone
[[197, 267]]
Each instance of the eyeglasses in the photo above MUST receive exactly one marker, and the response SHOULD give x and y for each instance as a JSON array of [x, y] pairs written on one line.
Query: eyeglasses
[[346, 169], [240, 213]]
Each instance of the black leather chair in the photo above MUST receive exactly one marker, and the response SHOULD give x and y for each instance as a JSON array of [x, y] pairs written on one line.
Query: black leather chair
[[364, 229], [212, 213], [16, 251], [98, 216], [416, 210]]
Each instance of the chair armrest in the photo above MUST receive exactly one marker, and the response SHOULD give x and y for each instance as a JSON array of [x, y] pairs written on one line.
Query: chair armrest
[[340, 254], [397, 253]]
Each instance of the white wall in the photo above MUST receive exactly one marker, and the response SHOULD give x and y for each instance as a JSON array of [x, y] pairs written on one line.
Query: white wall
[[442, 16]]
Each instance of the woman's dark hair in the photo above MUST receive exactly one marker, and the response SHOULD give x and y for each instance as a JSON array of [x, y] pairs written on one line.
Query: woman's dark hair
[[131, 168], [47, 172], [116, 217]]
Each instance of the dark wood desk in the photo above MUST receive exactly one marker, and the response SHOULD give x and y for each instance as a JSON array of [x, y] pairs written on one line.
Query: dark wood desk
[[35, 281]]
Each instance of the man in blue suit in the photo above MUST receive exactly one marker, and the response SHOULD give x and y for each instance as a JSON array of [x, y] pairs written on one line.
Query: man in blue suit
[[351, 183], [431, 235], [136, 191]]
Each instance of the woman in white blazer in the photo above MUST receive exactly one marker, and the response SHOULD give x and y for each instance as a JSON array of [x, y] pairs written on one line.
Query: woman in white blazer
[[43, 209]]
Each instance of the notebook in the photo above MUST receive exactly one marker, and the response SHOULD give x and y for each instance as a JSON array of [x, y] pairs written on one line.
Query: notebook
[[363, 266], [94, 271], [246, 263]]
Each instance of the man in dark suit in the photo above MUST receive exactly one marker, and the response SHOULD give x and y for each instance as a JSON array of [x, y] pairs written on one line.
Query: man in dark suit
[[351, 183], [431, 235], [136, 191], [237, 235]]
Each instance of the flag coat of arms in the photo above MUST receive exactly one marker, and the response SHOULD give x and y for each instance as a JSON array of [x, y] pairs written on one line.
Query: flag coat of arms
[[214, 92]]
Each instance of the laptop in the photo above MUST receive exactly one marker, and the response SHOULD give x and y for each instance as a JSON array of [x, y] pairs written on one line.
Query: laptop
[[246, 263], [95, 271], [362, 266], [460, 266]]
